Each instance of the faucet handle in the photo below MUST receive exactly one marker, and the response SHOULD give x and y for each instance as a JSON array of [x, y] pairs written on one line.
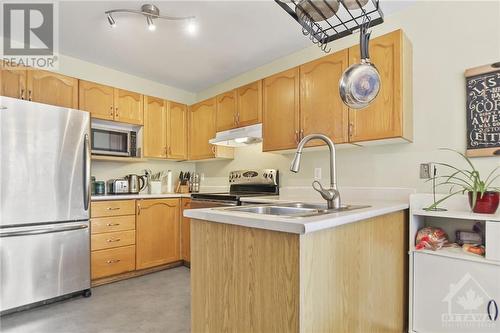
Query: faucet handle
[[329, 194]]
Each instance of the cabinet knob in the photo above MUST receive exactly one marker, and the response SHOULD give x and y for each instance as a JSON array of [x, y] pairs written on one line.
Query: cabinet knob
[[301, 136], [214, 149], [113, 261], [116, 112], [111, 110], [112, 224], [112, 240], [29, 95], [22, 94], [296, 136]]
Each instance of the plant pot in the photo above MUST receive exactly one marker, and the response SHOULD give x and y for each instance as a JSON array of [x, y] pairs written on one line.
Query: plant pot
[[485, 204]]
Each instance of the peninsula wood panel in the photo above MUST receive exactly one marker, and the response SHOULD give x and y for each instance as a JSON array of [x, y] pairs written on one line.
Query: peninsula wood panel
[[177, 127], [96, 99], [354, 277], [243, 279], [128, 107], [280, 111], [201, 129], [155, 127], [51, 88], [13, 82], [249, 104], [157, 231], [321, 108], [384, 118], [226, 111], [185, 231]]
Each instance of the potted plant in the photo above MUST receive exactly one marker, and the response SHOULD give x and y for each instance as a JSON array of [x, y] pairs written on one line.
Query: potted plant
[[483, 195]]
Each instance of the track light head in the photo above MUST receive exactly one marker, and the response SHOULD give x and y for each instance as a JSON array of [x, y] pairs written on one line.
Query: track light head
[[151, 24], [111, 20]]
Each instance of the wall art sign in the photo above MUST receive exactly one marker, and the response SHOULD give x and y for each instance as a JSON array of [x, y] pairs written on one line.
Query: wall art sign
[[483, 110]]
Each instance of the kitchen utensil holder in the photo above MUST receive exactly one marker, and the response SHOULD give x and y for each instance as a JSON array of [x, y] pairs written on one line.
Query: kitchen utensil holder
[[155, 187], [343, 23], [182, 188]]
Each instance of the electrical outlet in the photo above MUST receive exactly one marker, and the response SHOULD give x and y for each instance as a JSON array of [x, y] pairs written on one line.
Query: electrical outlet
[[317, 173], [425, 171]]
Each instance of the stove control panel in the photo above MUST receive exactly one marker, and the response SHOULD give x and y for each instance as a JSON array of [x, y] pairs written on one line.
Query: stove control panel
[[257, 177]]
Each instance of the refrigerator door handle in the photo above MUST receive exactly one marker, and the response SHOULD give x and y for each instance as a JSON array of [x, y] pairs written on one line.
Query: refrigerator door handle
[[86, 173], [41, 231]]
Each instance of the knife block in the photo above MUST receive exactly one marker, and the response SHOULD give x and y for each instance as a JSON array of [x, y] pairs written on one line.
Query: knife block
[[182, 188]]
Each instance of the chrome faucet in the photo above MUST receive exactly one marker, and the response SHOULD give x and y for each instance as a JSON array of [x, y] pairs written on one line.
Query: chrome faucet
[[331, 195]]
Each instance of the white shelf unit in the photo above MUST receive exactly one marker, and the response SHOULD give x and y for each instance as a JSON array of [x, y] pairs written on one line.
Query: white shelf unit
[[451, 290]]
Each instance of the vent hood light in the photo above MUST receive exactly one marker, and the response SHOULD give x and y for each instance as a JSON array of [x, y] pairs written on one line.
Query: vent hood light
[[239, 137]]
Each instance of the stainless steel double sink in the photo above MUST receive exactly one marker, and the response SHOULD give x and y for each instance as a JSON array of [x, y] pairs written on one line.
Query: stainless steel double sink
[[295, 209]]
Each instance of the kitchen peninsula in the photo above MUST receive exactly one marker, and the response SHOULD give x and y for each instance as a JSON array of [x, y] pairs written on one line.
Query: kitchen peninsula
[[339, 272]]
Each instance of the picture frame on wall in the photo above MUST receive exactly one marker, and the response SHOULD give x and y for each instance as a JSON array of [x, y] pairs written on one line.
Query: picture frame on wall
[[483, 110]]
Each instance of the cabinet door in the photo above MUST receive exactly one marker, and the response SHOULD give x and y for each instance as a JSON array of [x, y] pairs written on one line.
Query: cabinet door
[[321, 108], [454, 295], [51, 88], [249, 104], [128, 107], [201, 129], [177, 127], [157, 232], [226, 111], [185, 231], [13, 83], [383, 118], [280, 110], [155, 122], [96, 99]]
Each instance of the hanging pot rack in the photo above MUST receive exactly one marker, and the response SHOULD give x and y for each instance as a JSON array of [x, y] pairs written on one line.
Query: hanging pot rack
[[323, 26]]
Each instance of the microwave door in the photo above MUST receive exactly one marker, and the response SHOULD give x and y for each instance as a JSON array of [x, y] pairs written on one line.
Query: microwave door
[[110, 142]]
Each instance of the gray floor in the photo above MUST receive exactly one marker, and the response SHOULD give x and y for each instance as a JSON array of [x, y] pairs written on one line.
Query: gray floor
[[158, 302]]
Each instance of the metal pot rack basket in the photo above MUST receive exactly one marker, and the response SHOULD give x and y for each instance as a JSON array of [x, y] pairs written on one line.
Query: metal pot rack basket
[[343, 22]]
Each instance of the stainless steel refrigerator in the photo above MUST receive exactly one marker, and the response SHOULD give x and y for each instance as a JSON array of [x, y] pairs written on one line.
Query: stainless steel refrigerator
[[44, 203]]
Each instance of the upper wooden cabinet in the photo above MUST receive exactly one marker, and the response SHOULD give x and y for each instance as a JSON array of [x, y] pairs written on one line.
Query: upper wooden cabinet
[[201, 129], [226, 111], [390, 115], [128, 107], [280, 112], [177, 127], [97, 99], [321, 108], [249, 104], [155, 125], [157, 232], [13, 82], [51, 88]]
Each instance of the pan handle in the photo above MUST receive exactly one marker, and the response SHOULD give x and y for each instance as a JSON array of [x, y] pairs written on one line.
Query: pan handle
[[364, 40]]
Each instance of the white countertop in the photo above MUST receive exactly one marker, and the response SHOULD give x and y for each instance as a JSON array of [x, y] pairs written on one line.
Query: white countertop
[[138, 196], [300, 225]]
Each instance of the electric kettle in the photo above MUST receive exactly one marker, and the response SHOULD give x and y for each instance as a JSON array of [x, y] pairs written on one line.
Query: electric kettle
[[136, 183]]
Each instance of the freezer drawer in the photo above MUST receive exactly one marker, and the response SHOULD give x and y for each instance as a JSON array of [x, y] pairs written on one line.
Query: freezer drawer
[[42, 262]]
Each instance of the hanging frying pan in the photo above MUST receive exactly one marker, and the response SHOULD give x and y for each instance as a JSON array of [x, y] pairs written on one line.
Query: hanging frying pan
[[360, 83]]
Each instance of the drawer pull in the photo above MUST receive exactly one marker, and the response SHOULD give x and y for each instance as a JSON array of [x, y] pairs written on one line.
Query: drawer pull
[[492, 316], [112, 224], [113, 261], [113, 240], [113, 208]]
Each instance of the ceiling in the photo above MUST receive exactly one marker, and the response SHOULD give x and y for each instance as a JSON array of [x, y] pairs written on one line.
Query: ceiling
[[233, 37]]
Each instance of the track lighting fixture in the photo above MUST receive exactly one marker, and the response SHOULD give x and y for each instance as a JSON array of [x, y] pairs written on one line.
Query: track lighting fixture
[[151, 12]]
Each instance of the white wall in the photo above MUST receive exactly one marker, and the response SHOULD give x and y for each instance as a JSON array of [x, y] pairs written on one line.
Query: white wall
[[448, 37]]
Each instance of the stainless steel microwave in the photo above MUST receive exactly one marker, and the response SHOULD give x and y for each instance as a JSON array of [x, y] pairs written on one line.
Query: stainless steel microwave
[[114, 142]]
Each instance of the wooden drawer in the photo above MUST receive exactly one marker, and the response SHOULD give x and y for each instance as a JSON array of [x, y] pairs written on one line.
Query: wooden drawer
[[112, 208], [111, 224], [113, 261], [112, 239]]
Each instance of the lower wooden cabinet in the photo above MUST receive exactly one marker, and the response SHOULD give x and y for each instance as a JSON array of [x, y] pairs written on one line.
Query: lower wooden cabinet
[[158, 234], [185, 231], [112, 261]]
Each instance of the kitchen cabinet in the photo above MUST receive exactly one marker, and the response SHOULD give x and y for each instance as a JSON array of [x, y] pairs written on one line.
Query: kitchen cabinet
[[185, 232], [389, 116], [157, 232], [226, 111], [280, 111], [201, 129], [321, 108], [155, 127], [128, 107], [177, 131], [13, 82], [113, 238], [51, 88], [97, 99], [249, 104]]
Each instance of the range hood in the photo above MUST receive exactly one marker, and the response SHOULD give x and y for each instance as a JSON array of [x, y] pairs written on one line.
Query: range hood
[[238, 137]]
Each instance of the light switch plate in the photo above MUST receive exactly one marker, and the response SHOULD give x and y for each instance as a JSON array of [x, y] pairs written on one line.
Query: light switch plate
[[425, 170]]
